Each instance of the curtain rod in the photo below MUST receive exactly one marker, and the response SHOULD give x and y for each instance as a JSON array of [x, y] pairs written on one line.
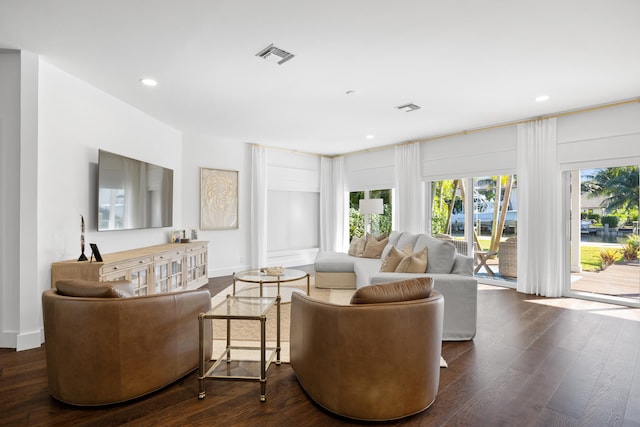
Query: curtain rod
[[498, 126]]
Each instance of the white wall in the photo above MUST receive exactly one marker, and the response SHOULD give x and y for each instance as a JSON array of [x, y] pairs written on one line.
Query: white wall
[[228, 249], [58, 181], [19, 324], [76, 120], [29, 332], [9, 196], [293, 179]]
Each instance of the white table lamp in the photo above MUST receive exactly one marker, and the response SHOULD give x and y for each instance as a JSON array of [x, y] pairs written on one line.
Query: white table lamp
[[370, 207]]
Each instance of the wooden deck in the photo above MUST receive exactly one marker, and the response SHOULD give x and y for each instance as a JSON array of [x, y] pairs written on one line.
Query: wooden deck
[[621, 280]]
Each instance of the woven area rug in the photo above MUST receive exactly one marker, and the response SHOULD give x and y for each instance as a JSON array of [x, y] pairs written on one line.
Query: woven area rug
[[247, 332]]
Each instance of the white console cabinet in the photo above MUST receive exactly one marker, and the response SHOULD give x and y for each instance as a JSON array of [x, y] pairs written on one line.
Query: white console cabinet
[[169, 267]]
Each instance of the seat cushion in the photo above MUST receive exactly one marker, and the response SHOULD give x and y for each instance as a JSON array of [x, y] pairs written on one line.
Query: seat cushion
[[404, 290], [334, 262]]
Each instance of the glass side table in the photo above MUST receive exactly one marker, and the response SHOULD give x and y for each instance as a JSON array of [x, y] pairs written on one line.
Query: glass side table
[[261, 278], [226, 368]]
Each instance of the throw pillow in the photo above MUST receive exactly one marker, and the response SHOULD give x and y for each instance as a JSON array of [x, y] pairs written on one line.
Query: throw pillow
[[373, 248], [416, 263], [357, 246], [404, 290], [442, 254], [89, 289], [393, 258]]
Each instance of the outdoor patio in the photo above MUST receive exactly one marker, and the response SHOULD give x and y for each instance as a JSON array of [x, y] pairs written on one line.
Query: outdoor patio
[[621, 280]]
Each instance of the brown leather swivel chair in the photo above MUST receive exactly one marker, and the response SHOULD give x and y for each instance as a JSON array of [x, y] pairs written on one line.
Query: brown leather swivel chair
[[378, 359], [104, 346]]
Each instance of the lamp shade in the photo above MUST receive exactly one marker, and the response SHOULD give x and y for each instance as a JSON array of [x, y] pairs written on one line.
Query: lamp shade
[[371, 206]]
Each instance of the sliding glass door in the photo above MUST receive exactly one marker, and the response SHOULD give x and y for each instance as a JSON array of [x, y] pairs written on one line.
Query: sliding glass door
[[605, 243], [489, 234]]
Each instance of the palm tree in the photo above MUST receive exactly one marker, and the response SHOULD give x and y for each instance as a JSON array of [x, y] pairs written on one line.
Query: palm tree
[[500, 212], [619, 185]]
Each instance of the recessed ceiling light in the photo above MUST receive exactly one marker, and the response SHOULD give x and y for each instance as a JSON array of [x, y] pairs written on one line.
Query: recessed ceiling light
[[370, 136], [542, 98], [148, 82]]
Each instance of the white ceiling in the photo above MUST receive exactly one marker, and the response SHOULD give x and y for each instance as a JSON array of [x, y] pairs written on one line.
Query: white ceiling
[[467, 63]]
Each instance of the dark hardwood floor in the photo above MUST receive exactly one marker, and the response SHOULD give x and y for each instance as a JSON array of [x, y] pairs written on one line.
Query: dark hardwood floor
[[534, 362]]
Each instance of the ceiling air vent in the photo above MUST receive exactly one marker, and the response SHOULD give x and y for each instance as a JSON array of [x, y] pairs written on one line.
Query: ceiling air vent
[[407, 108], [275, 54]]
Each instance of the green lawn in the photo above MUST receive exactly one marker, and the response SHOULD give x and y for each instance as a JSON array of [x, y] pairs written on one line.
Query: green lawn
[[590, 258], [589, 255]]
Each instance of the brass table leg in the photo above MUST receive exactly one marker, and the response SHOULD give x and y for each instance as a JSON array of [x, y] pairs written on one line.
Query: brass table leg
[[233, 276], [278, 348], [263, 370], [201, 371]]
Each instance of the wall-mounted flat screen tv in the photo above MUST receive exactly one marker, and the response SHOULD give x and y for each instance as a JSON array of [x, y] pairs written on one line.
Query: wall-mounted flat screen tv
[[133, 194]]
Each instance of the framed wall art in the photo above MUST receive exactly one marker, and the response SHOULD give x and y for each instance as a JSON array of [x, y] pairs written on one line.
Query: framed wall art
[[218, 199]]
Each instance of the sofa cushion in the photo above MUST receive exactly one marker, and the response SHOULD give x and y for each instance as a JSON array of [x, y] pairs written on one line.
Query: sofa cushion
[[416, 263], [393, 239], [334, 261], [391, 261], [357, 246], [373, 248], [90, 289], [462, 265], [408, 239], [442, 254], [364, 268], [393, 258], [404, 290]]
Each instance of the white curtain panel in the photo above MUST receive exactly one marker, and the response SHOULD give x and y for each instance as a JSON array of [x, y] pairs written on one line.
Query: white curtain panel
[[409, 192], [258, 235], [539, 210], [341, 217], [332, 204]]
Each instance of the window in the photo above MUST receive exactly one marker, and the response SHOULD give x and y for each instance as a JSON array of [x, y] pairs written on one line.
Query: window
[[379, 223], [494, 221], [447, 208]]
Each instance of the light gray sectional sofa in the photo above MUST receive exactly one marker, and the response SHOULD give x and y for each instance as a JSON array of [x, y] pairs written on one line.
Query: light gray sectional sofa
[[452, 275]]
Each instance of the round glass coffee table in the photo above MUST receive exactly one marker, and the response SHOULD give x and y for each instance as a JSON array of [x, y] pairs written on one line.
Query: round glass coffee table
[[262, 279]]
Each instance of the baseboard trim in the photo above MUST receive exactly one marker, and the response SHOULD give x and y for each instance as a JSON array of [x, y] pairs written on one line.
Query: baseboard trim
[[29, 340], [24, 341]]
